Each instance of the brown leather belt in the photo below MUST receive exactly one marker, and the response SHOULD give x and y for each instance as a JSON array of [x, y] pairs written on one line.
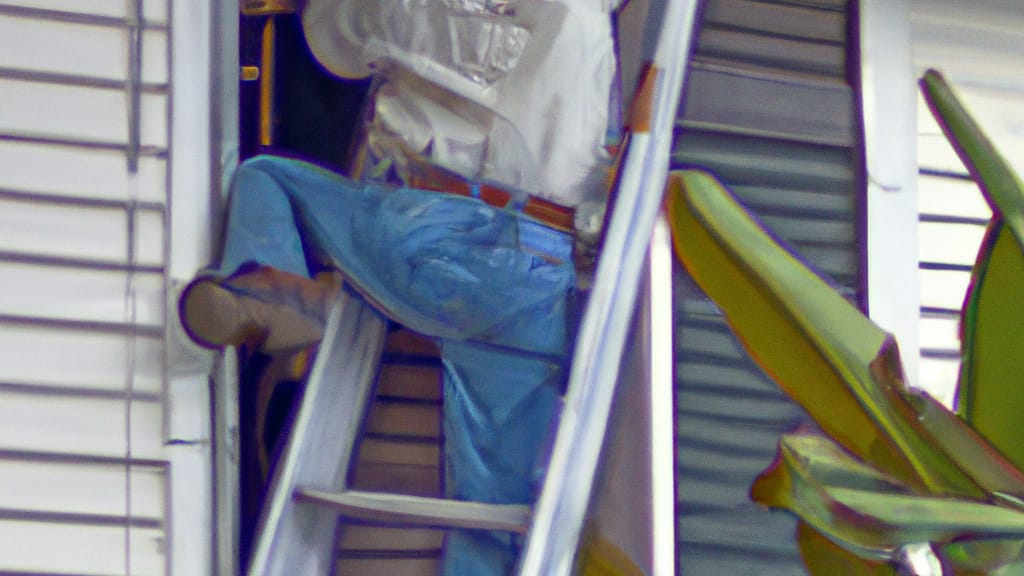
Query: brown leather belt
[[551, 214]]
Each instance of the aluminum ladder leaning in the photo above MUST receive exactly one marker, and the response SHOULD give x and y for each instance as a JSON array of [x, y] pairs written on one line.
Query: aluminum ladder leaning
[[309, 490]]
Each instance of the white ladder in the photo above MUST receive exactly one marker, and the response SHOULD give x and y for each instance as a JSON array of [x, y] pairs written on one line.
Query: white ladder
[[310, 489]]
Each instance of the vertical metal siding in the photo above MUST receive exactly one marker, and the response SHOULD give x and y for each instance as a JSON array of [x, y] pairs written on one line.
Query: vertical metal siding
[[769, 111]]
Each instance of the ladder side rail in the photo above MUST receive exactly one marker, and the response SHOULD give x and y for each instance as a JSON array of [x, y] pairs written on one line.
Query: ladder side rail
[[561, 510], [225, 539], [297, 538]]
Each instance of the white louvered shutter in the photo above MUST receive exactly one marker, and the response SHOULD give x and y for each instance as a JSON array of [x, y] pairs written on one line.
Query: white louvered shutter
[[84, 138]]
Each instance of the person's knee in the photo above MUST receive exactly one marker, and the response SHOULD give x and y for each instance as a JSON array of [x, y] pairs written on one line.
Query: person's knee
[[260, 167], [259, 202], [256, 178], [287, 176]]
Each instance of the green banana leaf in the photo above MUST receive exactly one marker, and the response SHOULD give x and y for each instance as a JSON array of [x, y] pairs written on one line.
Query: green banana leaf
[[818, 347], [908, 470], [1014, 569], [934, 478], [966, 558], [1000, 184], [986, 557], [873, 517], [990, 396], [969, 451], [823, 556]]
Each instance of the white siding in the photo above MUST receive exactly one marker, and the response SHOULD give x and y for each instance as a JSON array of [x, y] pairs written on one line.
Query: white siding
[[83, 243]]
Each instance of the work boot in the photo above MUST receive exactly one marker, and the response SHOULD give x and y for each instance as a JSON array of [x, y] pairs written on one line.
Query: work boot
[[271, 309]]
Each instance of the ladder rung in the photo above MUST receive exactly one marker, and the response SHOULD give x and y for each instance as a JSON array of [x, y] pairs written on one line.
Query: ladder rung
[[420, 510]]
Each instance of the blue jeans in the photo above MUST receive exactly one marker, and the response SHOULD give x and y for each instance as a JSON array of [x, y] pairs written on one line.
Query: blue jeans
[[495, 288]]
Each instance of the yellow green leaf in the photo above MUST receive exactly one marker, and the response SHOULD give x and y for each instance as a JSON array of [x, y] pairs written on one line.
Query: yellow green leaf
[[867, 514], [818, 347], [826, 558], [599, 556], [968, 450], [999, 182], [1014, 569], [990, 395], [984, 556]]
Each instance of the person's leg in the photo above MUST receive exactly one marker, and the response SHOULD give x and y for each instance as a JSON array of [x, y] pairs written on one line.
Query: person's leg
[[261, 279], [260, 226], [487, 283], [498, 291], [501, 400], [442, 265], [500, 407]]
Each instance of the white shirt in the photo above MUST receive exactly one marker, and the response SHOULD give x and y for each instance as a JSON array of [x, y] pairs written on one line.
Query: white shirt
[[542, 69]]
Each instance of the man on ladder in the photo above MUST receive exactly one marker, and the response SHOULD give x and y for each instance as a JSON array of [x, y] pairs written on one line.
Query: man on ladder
[[491, 277]]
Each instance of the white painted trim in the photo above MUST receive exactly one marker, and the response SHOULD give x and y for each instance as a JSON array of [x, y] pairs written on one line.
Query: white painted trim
[[190, 504], [191, 92], [889, 93]]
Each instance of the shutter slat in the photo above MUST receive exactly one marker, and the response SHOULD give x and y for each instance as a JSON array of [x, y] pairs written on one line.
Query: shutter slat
[[54, 357], [93, 12], [81, 488], [45, 110], [83, 173], [87, 426], [96, 52], [50, 548], [53, 292]]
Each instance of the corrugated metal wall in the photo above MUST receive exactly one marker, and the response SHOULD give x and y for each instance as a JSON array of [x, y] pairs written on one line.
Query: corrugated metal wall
[[84, 89], [768, 109]]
